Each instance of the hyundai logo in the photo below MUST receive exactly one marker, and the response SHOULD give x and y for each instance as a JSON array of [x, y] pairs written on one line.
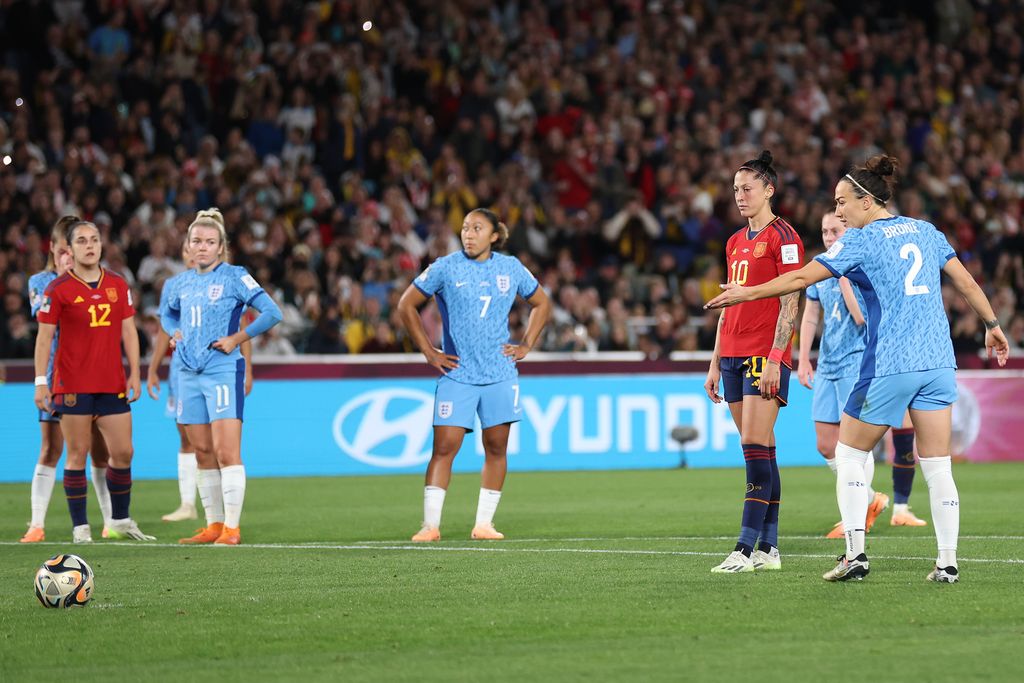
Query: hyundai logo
[[386, 428]]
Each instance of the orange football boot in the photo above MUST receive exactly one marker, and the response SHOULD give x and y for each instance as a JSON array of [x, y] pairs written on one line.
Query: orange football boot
[[207, 534], [486, 532], [427, 534], [35, 534], [230, 536], [880, 502]]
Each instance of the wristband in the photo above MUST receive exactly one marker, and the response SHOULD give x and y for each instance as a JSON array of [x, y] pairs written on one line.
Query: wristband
[[775, 356], [991, 324], [41, 381]]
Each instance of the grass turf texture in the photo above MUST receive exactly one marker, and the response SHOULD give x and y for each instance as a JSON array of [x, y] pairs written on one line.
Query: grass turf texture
[[604, 576]]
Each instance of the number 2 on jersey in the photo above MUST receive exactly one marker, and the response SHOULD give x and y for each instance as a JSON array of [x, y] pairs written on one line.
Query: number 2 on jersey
[[911, 250], [102, 321]]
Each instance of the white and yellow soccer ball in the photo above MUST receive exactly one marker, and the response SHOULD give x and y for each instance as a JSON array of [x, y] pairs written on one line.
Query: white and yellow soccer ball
[[64, 581]]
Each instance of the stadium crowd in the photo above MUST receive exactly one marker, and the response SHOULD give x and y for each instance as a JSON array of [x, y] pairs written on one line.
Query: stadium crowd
[[344, 141]]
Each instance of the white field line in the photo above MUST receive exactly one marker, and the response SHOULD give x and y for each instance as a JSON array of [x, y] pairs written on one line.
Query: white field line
[[928, 535], [496, 548]]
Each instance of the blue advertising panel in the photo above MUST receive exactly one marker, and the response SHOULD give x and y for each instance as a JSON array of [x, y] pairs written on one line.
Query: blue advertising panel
[[378, 426]]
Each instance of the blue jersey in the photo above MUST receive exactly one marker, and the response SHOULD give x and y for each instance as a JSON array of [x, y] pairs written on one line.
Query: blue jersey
[[474, 299], [842, 340], [169, 290], [896, 262], [37, 284], [208, 306]]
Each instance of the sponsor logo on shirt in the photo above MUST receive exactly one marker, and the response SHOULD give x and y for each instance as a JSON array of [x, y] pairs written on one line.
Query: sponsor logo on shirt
[[79, 300]]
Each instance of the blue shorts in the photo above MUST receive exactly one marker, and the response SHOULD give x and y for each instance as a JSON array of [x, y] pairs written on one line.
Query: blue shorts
[[97, 405], [830, 398], [884, 400], [457, 404], [210, 396], [742, 377], [173, 371]]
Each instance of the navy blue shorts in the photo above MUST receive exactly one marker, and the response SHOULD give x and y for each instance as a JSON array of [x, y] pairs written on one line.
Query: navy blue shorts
[[742, 377], [97, 405]]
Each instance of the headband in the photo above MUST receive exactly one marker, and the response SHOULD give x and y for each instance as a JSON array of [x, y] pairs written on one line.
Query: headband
[[864, 189]]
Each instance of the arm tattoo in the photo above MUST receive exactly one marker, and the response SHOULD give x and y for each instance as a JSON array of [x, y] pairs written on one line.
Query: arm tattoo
[[789, 304]]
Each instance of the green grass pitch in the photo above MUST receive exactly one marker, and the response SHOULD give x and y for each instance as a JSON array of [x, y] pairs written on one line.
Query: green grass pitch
[[603, 576]]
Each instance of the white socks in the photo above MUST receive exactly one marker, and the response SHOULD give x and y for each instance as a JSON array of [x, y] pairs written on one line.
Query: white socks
[[869, 474], [945, 500], [433, 501], [831, 465], [486, 506], [211, 495], [42, 488], [187, 469], [99, 484], [233, 484], [852, 494]]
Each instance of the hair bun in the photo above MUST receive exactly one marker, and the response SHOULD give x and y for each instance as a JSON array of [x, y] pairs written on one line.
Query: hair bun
[[765, 157], [882, 165], [213, 213]]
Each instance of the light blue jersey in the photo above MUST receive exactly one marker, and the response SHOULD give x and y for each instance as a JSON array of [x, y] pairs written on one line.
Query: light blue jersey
[[474, 299], [842, 339], [896, 262], [169, 290], [206, 307], [37, 284]]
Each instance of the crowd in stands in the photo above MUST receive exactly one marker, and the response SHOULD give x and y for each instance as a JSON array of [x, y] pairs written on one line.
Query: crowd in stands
[[344, 141]]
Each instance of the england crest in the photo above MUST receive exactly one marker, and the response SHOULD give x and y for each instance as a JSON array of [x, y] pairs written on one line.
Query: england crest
[[214, 292], [444, 409], [504, 283]]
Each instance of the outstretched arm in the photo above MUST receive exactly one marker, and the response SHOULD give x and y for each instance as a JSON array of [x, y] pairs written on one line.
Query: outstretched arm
[[792, 281]]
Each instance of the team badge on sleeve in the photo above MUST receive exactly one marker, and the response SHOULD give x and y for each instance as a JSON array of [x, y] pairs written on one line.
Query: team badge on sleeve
[[834, 250], [45, 306], [504, 283], [759, 249], [112, 294], [214, 292], [444, 409], [249, 281], [423, 276], [790, 253]]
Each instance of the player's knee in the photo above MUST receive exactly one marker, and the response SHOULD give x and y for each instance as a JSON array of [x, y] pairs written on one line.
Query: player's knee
[[827, 449], [445, 451]]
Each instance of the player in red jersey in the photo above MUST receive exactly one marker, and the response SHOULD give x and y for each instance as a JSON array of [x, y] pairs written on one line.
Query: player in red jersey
[[94, 310], [753, 358]]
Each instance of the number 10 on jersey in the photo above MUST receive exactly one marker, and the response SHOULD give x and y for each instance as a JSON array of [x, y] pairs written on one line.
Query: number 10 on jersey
[[738, 271]]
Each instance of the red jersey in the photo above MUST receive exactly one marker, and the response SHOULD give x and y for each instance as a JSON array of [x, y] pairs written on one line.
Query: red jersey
[[753, 258], [88, 359]]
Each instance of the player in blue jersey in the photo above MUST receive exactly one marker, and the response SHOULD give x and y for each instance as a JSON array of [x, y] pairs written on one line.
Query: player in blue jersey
[[187, 465], [474, 290], [908, 359], [203, 314], [839, 358], [58, 262]]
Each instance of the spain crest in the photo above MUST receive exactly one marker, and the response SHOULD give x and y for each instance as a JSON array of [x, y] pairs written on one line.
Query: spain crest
[[504, 283], [69, 400], [214, 292], [111, 294], [759, 249]]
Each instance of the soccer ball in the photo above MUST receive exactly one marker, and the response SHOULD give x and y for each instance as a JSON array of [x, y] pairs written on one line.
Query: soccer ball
[[64, 581]]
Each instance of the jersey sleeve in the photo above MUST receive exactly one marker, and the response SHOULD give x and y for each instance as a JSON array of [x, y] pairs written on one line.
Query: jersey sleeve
[[527, 282], [35, 294], [51, 306], [129, 303], [812, 292], [789, 251], [942, 247], [431, 280], [845, 254], [245, 285]]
